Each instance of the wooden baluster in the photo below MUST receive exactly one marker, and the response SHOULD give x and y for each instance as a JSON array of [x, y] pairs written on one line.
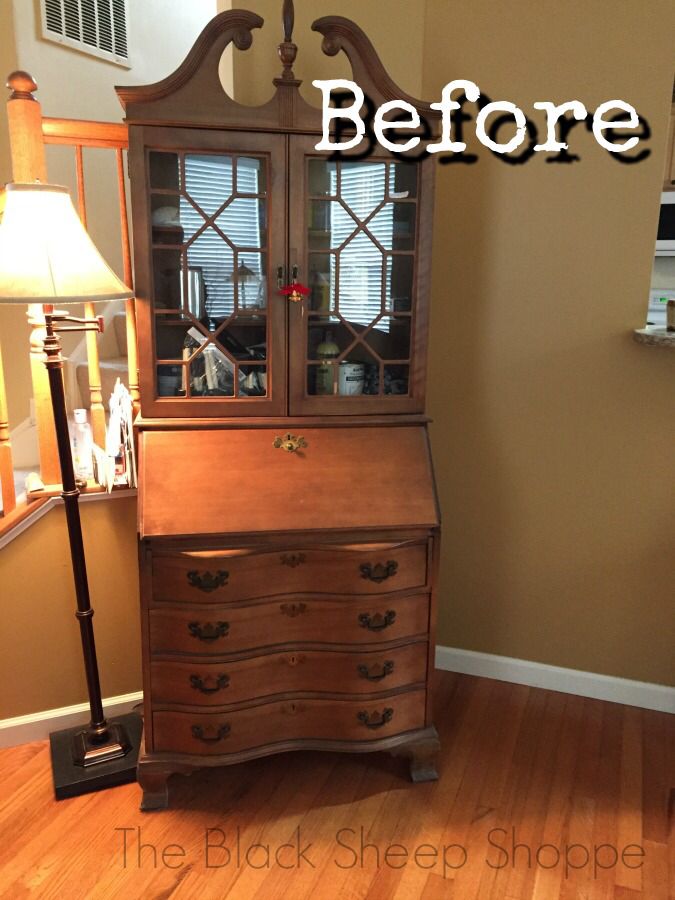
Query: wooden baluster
[[6, 463], [24, 117], [130, 305], [96, 408]]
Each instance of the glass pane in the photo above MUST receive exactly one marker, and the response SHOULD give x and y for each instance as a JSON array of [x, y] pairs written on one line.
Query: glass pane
[[329, 224], [168, 289], [402, 180], [394, 226], [251, 176], [328, 338], [208, 180], [253, 381], [322, 379], [399, 283], [360, 280], [173, 333], [214, 259], [174, 219], [164, 171], [322, 282], [170, 381], [322, 178], [243, 222], [211, 373], [250, 280], [390, 338], [244, 338], [396, 379], [362, 186]]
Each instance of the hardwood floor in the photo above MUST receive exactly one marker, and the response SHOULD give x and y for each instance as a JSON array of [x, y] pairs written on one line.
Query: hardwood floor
[[520, 768]]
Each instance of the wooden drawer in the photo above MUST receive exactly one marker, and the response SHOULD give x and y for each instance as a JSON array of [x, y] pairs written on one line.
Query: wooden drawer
[[218, 576], [310, 671], [228, 629], [288, 720]]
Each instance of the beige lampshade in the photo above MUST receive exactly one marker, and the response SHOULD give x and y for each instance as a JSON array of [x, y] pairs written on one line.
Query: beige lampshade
[[46, 256]]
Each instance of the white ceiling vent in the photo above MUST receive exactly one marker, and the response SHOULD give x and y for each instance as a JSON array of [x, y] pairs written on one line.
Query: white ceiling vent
[[98, 27]]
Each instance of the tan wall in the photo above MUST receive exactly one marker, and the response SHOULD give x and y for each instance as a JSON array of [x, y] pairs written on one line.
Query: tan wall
[[552, 435], [552, 438], [41, 660]]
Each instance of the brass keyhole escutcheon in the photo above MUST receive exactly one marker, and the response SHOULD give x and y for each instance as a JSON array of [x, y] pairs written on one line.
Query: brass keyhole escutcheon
[[290, 443]]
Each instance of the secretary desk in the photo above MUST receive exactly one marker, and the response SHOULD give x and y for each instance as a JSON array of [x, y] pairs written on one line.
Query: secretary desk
[[288, 520]]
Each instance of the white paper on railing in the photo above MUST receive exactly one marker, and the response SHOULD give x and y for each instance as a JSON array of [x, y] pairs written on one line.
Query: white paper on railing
[[119, 443]]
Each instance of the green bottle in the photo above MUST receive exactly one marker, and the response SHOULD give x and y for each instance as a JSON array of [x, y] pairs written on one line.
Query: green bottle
[[327, 351]]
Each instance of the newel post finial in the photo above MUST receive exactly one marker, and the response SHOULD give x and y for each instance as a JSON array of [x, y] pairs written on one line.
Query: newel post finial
[[287, 49], [22, 85]]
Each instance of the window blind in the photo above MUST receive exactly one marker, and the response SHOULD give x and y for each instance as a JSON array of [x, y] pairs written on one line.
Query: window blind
[[209, 183], [361, 261]]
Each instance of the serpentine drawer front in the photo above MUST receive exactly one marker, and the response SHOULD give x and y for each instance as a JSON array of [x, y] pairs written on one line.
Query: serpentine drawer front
[[365, 719], [219, 576], [198, 630], [199, 683]]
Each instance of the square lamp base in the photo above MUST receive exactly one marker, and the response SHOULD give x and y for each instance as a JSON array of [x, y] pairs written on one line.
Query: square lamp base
[[71, 779]]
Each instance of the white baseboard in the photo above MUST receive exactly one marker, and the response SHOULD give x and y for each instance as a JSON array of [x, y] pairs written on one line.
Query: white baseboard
[[554, 678], [37, 726]]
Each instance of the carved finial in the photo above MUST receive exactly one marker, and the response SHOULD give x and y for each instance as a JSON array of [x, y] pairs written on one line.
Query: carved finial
[[21, 85], [288, 50], [288, 16]]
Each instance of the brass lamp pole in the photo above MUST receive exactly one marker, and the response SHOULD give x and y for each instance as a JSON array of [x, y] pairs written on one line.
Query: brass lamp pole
[[46, 256]]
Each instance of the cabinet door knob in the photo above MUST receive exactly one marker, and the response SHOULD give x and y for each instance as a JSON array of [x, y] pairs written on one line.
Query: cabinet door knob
[[290, 443], [378, 622], [375, 719], [379, 572], [206, 581], [199, 734], [209, 685], [209, 632], [375, 672]]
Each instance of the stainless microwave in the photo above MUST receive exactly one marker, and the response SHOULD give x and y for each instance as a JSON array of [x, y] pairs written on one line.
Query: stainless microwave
[[665, 236]]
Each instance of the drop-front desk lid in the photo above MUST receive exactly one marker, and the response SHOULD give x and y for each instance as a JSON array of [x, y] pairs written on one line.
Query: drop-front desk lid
[[226, 481]]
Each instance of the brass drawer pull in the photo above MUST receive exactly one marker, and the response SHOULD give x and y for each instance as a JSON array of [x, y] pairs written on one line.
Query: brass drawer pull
[[378, 622], [379, 572], [375, 719], [205, 581], [290, 443], [375, 672], [199, 735], [293, 609], [212, 631], [293, 560], [209, 685]]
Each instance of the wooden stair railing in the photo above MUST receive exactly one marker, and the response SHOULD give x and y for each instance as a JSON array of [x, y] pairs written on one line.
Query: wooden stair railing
[[29, 132]]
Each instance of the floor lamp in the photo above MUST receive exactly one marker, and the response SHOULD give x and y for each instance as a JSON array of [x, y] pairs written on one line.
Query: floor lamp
[[47, 257]]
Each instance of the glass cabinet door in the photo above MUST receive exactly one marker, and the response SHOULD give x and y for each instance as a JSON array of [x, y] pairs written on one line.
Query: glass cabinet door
[[216, 234], [362, 250]]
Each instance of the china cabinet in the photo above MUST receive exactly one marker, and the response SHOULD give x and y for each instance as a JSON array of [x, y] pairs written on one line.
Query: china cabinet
[[288, 522]]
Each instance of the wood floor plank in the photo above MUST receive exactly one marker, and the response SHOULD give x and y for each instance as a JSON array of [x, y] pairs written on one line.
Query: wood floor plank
[[556, 768], [629, 823]]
